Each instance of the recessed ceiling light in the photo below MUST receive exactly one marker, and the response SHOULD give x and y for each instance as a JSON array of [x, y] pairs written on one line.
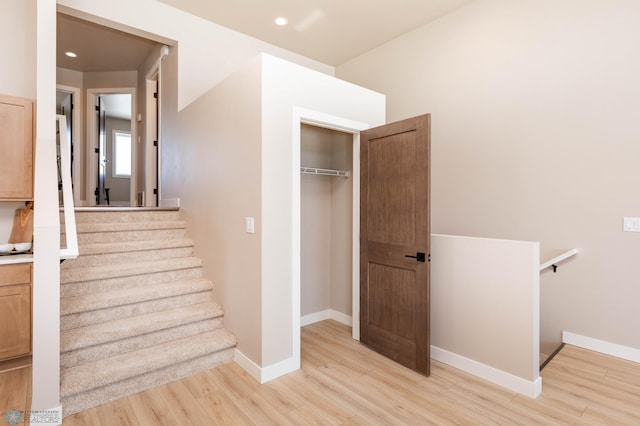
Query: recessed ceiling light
[[281, 21], [70, 54]]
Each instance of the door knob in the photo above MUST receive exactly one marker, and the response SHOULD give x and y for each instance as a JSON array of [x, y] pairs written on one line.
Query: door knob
[[420, 257]]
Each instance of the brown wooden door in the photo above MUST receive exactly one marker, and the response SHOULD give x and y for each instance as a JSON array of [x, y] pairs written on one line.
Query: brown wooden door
[[394, 224]]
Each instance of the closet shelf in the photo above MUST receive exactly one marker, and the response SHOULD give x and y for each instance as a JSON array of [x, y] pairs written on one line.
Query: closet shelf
[[324, 172]]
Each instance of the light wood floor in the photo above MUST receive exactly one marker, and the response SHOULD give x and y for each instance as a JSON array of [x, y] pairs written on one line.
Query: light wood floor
[[15, 392], [342, 382]]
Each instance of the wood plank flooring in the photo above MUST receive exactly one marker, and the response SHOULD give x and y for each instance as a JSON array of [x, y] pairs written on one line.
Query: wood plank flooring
[[15, 393], [343, 383]]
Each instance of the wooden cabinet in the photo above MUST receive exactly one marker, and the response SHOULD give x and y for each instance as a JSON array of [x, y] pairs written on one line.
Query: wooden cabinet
[[15, 310], [16, 148]]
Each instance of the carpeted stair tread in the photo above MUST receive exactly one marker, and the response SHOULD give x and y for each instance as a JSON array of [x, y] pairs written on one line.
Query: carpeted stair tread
[[102, 216], [118, 329], [107, 284], [103, 372], [134, 343], [70, 275], [114, 391], [103, 300], [129, 246], [86, 228]]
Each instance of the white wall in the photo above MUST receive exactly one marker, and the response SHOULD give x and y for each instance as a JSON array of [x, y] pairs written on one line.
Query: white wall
[[484, 308], [285, 85], [17, 74], [229, 156], [208, 52], [535, 105], [28, 27], [46, 258], [212, 158]]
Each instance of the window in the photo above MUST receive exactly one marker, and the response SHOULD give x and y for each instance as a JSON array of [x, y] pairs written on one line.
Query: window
[[121, 154]]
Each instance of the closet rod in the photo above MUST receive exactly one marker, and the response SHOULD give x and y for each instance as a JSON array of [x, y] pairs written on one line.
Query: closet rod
[[325, 172]]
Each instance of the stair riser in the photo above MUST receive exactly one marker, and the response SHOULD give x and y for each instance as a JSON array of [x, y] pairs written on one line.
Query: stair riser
[[76, 403], [106, 350], [114, 237], [118, 283], [120, 217], [90, 303], [93, 317], [126, 269], [128, 257]]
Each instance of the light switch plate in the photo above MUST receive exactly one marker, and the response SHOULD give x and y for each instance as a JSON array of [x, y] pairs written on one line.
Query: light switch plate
[[249, 226], [631, 224]]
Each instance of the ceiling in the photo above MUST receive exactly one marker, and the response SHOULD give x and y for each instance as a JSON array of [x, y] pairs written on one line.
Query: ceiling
[[98, 48], [329, 31]]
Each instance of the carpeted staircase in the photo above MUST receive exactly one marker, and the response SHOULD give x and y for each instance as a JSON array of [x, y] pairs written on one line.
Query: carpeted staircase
[[135, 310]]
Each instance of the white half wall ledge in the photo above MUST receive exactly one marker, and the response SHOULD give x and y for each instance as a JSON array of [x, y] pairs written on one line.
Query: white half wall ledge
[[266, 374], [601, 346], [170, 203], [325, 315], [524, 387]]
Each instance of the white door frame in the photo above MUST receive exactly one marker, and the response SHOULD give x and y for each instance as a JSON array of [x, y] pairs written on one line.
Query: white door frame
[[153, 163], [78, 146], [319, 119], [92, 95]]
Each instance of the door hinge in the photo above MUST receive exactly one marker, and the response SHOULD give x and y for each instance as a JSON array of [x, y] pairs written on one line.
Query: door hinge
[[155, 191], [155, 143], [429, 257], [97, 108], [96, 150], [155, 95]]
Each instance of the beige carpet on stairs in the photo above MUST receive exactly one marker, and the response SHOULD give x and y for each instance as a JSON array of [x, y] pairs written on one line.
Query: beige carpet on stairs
[[136, 311]]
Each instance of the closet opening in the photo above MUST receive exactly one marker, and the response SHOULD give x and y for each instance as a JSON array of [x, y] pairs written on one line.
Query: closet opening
[[326, 228], [308, 129]]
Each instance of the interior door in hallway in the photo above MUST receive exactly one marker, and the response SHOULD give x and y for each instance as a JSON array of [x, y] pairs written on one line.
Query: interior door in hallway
[[394, 241]]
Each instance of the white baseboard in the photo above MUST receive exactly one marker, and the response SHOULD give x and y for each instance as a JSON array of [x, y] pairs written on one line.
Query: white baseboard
[[607, 348], [324, 315], [50, 417], [265, 374], [247, 365], [501, 378]]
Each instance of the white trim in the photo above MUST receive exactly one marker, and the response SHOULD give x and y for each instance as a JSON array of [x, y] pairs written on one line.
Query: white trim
[[325, 315], [314, 318], [51, 417], [501, 378], [607, 348], [341, 318], [170, 203], [315, 118], [280, 369], [92, 94], [247, 365], [77, 136], [266, 374]]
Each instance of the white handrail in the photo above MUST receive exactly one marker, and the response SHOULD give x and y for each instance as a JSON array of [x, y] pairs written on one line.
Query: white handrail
[[553, 262], [71, 236]]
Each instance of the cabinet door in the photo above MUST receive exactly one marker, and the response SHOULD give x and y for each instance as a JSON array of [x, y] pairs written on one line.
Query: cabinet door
[[16, 148], [15, 321]]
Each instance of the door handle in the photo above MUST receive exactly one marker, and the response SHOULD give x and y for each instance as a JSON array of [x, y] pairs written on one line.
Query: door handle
[[420, 257]]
